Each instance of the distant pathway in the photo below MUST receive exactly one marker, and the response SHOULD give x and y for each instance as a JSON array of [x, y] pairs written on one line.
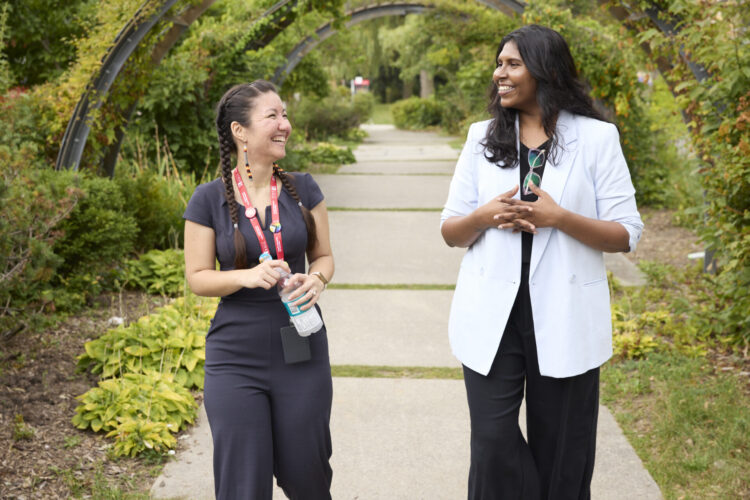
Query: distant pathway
[[399, 438]]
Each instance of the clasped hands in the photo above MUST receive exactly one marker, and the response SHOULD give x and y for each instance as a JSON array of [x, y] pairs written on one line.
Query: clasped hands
[[265, 275], [506, 212]]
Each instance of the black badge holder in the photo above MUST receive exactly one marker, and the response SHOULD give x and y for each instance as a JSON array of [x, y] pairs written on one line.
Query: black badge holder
[[296, 348]]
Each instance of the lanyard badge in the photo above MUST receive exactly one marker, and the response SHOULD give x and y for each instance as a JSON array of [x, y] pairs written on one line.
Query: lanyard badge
[[252, 214]]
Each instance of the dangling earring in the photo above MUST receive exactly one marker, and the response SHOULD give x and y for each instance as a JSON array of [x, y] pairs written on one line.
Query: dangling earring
[[247, 162]]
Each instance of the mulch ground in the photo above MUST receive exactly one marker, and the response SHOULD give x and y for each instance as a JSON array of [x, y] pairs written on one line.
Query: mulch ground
[[39, 383], [45, 456]]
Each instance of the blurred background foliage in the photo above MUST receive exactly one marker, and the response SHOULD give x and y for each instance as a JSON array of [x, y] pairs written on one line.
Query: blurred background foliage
[[432, 70]]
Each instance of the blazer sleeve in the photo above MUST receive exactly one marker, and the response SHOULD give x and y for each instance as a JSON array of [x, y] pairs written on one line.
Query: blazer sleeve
[[464, 192], [615, 194]]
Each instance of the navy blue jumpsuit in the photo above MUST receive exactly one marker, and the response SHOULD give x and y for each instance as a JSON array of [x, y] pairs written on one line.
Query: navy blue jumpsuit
[[266, 417]]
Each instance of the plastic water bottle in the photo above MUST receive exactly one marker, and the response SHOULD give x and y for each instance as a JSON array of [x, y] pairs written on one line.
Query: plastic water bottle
[[305, 322]]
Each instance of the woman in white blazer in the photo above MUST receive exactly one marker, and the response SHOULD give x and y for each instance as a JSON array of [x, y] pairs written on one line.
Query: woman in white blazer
[[540, 191]]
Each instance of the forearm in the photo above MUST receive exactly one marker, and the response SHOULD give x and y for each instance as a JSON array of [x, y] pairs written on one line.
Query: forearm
[[324, 265], [211, 283], [607, 236], [463, 230]]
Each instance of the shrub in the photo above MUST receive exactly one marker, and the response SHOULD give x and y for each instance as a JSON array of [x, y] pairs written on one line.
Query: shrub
[[320, 119], [363, 104], [417, 113], [156, 204], [98, 234], [34, 199], [158, 271], [325, 152]]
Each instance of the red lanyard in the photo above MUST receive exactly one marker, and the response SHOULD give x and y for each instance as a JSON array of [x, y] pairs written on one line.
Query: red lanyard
[[252, 214]]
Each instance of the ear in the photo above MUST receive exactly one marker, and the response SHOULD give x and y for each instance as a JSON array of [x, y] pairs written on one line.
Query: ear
[[238, 131]]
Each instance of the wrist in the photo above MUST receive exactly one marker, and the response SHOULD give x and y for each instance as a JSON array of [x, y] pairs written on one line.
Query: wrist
[[559, 219], [476, 222], [321, 277]]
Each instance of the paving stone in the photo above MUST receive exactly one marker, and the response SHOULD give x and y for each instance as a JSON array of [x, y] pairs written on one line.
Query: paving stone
[[400, 439], [384, 191], [401, 152], [625, 271], [392, 247], [388, 327], [393, 167]]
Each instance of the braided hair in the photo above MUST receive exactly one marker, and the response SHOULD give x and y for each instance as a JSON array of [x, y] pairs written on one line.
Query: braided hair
[[235, 106]]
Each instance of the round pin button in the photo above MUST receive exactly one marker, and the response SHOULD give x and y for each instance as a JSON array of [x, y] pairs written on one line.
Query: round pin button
[[250, 213], [264, 257], [275, 227]]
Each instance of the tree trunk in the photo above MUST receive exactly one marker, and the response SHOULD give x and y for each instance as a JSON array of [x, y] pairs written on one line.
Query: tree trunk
[[426, 85]]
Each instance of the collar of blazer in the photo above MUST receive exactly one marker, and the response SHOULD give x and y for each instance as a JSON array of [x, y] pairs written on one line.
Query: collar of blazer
[[555, 178]]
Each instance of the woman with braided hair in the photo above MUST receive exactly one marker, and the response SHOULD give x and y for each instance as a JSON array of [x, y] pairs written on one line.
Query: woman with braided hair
[[269, 414]]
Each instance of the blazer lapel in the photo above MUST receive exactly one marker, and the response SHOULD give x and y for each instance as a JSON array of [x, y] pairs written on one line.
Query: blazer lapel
[[555, 177]]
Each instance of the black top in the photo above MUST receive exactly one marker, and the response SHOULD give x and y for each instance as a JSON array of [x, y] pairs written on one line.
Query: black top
[[208, 207], [527, 238]]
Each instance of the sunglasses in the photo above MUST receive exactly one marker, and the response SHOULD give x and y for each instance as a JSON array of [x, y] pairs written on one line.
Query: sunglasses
[[536, 160]]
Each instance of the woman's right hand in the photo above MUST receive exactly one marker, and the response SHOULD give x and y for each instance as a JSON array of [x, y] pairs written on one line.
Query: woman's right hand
[[497, 212], [263, 275]]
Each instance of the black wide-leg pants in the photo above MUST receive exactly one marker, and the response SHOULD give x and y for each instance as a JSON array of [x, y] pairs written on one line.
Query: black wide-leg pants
[[557, 461], [267, 417]]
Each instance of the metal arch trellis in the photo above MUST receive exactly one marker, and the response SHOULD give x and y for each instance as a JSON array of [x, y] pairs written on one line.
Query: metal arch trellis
[[327, 30], [77, 131], [125, 43]]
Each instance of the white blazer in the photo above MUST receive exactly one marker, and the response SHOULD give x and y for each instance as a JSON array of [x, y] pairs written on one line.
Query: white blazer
[[567, 279]]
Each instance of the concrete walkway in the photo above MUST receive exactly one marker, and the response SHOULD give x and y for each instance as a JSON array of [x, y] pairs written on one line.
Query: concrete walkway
[[399, 438]]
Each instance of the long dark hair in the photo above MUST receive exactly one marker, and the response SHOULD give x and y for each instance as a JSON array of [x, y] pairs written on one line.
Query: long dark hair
[[547, 57], [235, 106]]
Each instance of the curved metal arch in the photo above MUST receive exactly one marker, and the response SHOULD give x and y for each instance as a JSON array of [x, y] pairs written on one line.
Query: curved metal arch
[[128, 39], [125, 43], [77, 131], [324, 32], [507, 7]]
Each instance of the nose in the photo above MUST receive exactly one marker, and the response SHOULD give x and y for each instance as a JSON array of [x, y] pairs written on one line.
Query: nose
[[498, 74], [285, 124]]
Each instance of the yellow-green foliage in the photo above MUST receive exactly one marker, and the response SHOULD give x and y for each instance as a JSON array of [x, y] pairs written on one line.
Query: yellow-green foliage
[[141, 411], [160, 272], [171, 340], [147, 369], [669, 313], [629, 337]]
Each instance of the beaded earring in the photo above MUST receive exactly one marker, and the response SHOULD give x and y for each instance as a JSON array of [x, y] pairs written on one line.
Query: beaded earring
[[247, 162]]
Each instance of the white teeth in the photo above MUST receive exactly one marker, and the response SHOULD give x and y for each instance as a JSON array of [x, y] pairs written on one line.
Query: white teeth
[[504, 88]]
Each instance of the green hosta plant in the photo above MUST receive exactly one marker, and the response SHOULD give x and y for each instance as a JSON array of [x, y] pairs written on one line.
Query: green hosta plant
[[140, 410], [171, 340], [159, 272]]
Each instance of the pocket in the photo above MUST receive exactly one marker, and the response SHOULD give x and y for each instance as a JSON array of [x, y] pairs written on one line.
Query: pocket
[[595, 282]]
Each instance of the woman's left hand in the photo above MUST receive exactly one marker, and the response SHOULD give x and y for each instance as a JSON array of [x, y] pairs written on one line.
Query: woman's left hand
[[545, 212], [308, 293]]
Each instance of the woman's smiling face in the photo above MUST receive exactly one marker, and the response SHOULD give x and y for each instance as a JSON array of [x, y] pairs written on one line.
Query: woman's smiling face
[[515, 85], [269, 128]]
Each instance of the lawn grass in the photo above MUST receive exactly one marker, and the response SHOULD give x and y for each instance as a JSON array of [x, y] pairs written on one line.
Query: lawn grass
[[688, 423], [381, 114], [414, 372]]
